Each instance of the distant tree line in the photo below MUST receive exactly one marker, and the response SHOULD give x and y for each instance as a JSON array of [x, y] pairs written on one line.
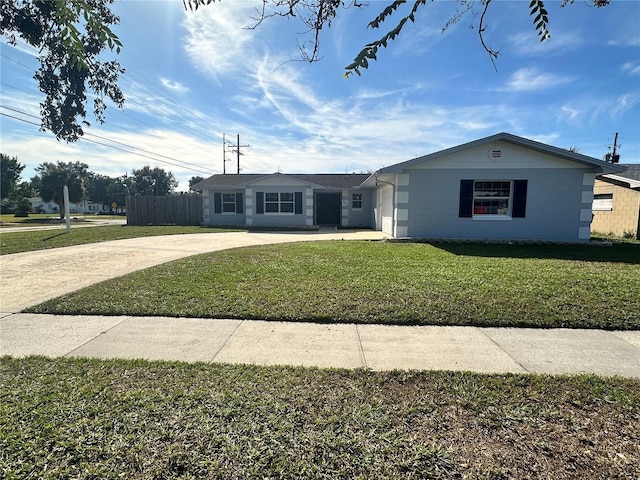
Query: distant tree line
[[82, 183]]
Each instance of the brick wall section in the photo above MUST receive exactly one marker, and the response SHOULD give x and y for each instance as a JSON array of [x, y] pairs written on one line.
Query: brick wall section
[[625, 214]]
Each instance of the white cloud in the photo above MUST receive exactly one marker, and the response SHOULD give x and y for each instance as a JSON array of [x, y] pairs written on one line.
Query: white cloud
[[530, 79], [174, 86], [529, 45], [632, 68], [217, 40]]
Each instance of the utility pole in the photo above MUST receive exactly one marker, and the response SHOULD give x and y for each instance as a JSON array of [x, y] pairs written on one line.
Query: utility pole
[[237, 147], [224, 151], [613, 157]]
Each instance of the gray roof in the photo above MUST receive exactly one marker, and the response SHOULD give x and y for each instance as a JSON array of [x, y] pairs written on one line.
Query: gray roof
[[631, 171], [629, 177], [319, 180], [601, 167]]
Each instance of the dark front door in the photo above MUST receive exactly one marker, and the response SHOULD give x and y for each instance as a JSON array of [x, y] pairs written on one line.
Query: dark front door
[[328, 208]]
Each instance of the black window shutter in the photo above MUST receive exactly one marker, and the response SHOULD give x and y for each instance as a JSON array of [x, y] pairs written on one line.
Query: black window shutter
[[259, 202], [217, 202], [239, 203], [298, 206], [519, 199], [466, 198]]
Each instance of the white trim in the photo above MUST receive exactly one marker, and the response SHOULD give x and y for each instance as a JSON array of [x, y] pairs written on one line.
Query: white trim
[[492, 217], [632, 183], [309, 212], [402, 214], [249, 212], [402, 180]]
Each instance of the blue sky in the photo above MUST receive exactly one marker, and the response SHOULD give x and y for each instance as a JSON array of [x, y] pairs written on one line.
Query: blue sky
[[194, 76]]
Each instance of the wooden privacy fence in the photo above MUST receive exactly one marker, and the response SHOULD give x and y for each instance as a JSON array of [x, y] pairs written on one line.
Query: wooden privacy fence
[[170, 210]]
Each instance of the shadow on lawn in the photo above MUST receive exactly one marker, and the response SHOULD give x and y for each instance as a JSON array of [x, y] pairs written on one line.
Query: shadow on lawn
[[615, 253]]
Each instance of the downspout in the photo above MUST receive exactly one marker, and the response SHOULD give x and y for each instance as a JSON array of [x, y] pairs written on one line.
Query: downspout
[[393, 204]]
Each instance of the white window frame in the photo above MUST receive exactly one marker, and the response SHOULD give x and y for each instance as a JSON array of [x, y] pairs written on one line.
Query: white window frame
[[356, 203], [602, 202], [477, 197], [225, 201], [280, 200]]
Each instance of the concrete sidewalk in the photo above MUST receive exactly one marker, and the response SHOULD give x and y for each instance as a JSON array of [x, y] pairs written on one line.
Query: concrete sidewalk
[[484, 350], [31, 278]]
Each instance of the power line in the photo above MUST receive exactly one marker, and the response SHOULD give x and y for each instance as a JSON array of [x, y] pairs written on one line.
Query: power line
[[189, 166]]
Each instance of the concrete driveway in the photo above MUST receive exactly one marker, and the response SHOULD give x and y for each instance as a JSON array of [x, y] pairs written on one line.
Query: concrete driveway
[[27, 279]]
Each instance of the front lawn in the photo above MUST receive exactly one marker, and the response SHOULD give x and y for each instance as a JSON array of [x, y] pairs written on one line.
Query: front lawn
[[86, 419], [574, 286]]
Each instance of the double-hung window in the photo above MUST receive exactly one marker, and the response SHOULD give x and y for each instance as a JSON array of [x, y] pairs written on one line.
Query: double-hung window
[[278, 202], [493, 199], [356, 201], [228, 203]]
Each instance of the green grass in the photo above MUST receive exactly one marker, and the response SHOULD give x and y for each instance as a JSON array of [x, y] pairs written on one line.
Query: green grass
[[33, 218], [574, 286], [16, 242], [86, 419]]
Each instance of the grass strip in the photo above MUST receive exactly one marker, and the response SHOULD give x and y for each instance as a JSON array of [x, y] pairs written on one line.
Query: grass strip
[[82, 419], [16, 242], [571, 286]]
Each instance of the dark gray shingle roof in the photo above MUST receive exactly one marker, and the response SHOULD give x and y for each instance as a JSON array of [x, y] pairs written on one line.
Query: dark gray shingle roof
[[328, 180], [631, 171]]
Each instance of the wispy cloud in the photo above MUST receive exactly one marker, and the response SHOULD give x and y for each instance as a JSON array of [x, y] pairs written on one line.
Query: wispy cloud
[[632, 68], [174, 86], [529, 45], [531, 79], [217, 41]]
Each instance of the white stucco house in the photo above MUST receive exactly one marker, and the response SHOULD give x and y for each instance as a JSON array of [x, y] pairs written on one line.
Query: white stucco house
[[501, 187]]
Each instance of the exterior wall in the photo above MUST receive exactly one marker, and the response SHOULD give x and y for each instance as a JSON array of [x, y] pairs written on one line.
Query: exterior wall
[[357, 217], [556, 199], [624, 216], [350, 216], [212, 218]]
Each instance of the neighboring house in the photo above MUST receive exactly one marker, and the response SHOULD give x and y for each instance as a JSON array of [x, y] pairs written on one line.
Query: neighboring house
[[287, 200], [501, 187], [40, 206], [616, 202]]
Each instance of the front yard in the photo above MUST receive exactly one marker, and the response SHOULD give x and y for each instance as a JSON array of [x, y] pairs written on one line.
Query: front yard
[[574, 286]]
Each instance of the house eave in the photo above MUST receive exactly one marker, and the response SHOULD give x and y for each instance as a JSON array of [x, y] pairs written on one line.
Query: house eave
[[599, 166]]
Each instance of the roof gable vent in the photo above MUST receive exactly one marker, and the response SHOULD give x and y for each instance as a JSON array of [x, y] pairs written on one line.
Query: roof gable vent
[[495, 153]]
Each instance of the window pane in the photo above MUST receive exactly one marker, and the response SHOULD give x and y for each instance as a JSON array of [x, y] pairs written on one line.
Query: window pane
[[229, 197], [271, 197], [286, 197], [271, 207], [491, 207], [286, 207], [229, 207], [492, 189]]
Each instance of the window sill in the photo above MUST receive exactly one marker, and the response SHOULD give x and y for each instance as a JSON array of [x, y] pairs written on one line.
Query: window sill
[[492, 217], [280, 214]]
